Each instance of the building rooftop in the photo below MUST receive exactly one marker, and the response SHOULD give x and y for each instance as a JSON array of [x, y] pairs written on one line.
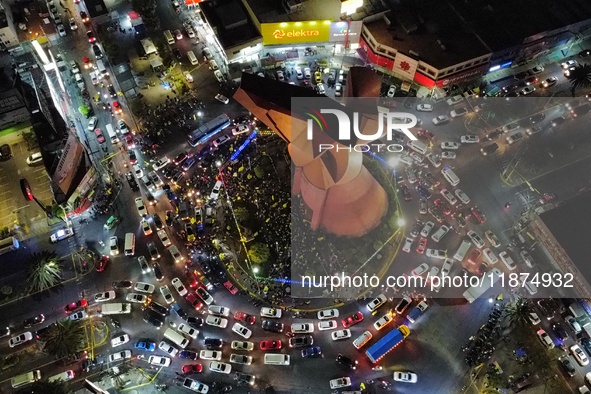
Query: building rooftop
[[505, 23], [3, 18], [570, 225], [231, 22], [431, 30], [96, 8], [272, 11]]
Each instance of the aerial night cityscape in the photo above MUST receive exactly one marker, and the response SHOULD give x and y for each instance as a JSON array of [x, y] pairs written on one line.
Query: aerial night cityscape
[[295, 196]]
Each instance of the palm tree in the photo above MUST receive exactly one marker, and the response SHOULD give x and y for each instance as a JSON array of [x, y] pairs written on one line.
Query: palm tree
[[64, 339], [580, 77], [57, 387], [45, 271], [518, 312]]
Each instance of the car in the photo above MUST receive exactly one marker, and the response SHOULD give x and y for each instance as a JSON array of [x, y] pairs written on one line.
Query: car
[[579, 355], [176, 178], [420, 270], [549, 82], [424, 192], [120, 356], [559, 331], [221, 140], [216, 321], [90, 36], [230, 287], [531, 80], [164, 238], [347, 362], [20, 339], [507, 260], [340, 334], [312, 352], [317, 77], [424, 107], [299, 73], [191, 369], [166, 294], [84, 17], [222, 99], [405, 192], [116, 107], [437, 254], [585, 342], [105, 296], [245, 317], [92, 121], [405, 377], [567, 365], [476, 239], [241, 330], [327, 325], [119, 340], [219, 367], [137, 171], [74, 68], [458, 112], [144, 287], [527, 90], [391, 91], [492, 238], [270, 344], [168, 348], [474, 256], [113, 94], [161, 163], [307, 73], [320, 88], [179, 287], [122, 284], [328, 314], [302, 328], [340, 383], [240, 129], [441, 119], [422, 245], [545, 339], [478, 215], [380, 323], [558, 121], [188, 354], [469, 139], [446, 267], [463, 197], [269, 325], [146, 228], [154, 254], [574, 325], [427, 229], [61, 234], [416, 228], [445, 208], [75, 306], [435, 160], [527, 259], [99, 136], [159, 360], [448, 155], [271, 312], [242, 345], [490, 256], [145, 344], [376, 303], [141, 208], [407, 244], [353, 319], [80, 315], [73, 24], [449, 196], [135, 297], [204, 295], [192, 299]]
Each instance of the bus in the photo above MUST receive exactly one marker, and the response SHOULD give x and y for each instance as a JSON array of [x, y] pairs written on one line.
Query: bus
[[204, 132]]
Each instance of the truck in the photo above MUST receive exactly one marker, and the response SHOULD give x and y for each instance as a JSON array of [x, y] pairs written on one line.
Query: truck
[[115, 308], [385, 345], [417, 311], [486, 283]]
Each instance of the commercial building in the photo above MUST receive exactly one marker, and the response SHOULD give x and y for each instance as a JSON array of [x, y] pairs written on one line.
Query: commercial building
[[8, 35]]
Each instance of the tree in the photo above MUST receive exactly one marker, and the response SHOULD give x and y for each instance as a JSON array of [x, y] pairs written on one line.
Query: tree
[[518, 312], [259, 253], [45, 271], [56, 387], [84, 110], [64, 339], [241, 214], [580, 77]]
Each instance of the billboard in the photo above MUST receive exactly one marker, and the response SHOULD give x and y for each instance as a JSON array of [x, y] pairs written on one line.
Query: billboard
[[338, 31], [405, 66], [295, 32]]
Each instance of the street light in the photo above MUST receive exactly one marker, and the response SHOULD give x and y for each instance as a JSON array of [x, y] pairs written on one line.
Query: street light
[[255, 269], [401, 222], [218, 163]]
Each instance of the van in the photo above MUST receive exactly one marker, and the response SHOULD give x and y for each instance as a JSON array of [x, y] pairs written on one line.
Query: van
[[100, 65], [213, 65], [64, 376], [462, 250], [79, 80], [169, 37], [26, 378], [192, 58], [129, 244], [176, 338], [418, 146], [114, 308], [112, 135], [362, 339], [35, 158], [276, 359], [450, 176]]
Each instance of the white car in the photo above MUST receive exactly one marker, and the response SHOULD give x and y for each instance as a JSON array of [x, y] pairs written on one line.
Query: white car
[[210, 355], [391, 91], [144, 287], [164, 238], [159, 360], [73, 24], [307, 73], [216, 321], [458, 112], [92, 121], [376, 303], [135, 297], [463, 197], [204, 295], [406, 377], [138, 172], [469, 139], [216, 366], [240, 129], [407, 244], [179, 287], [188, 330], [146, 228], [114, 246], [222, 99], [545, 339], [449, 197], [425, 107], [242, 345], [441, 119], [427, 229], [383, 321], [435, 160], [446, 267], [437, 253], [527, 259], [492, 238], [168, 348], [122, 126], [272, 313], [280, 75], [328, 314], [299, 73], [490, 256], [340, 334], [161, 163], [421, 269], [340, 383], [61, 30], [534, 318], [241, 330], [476, 239], [176, 254], [219, 310], [449, 145], [302, 328], [105, 296], [240, 359], [120, 340], [320, 88], [61, 234], [119, 356], [141, 208], [20, 339], [448, 155], [579, 355], [74, 67], [327, 325], [508, 261], [166, 294]]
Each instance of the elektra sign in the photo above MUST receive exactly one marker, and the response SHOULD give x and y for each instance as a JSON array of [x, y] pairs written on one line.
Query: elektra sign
[[349, 130]]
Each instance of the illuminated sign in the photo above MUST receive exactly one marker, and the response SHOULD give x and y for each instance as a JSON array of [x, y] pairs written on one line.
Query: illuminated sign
[[343, 31], [295, 32]]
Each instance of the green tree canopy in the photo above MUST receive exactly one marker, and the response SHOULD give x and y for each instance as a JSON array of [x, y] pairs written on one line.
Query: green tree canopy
[[259, 253], [45, 271], [241, 214], [65, 339], [580, 77], [84, 110]]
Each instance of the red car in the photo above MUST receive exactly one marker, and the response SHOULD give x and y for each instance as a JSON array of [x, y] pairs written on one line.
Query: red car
[[99, 136], [426, 134], [116, 107], [102, 263], [91, 37], [355, 318], [245, 317], [474, 256], [270, 345], [74, 306], [192, 368], [193, 300], [129, 141], [192, 279], [478, 215], [87, 63], [422, 245], [230, 286], [443, 206]]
